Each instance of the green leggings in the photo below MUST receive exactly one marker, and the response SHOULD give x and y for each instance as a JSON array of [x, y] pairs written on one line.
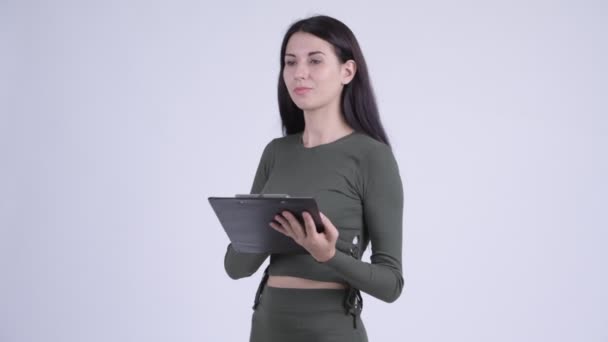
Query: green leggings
[[311, 315]]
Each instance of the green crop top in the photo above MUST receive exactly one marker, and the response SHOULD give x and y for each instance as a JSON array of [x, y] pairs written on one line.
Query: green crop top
[[356, 183]]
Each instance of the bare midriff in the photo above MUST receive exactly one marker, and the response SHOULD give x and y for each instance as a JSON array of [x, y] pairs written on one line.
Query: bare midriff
[[302, 283]]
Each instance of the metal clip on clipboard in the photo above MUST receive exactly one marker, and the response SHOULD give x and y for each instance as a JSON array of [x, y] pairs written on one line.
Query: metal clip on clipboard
[[261, 195]]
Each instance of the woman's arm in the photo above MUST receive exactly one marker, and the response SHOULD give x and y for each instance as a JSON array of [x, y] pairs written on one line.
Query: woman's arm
[[240, 265], [383, 214]]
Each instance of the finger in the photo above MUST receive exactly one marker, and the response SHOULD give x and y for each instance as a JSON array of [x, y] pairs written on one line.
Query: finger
[[296, 227], [285, 226], [279, 228], [280, 219], [309, 223], [330, 230]]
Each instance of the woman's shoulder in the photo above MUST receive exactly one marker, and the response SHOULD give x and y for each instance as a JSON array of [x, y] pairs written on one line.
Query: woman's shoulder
[[376, 157], [289, 139], [370, 144], [368, 149]]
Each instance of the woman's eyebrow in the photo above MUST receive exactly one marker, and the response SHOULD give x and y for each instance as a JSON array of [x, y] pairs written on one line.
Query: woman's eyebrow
[[310, 53]]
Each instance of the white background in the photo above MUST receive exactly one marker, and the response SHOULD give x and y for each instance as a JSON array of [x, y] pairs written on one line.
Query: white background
[[119, 118]]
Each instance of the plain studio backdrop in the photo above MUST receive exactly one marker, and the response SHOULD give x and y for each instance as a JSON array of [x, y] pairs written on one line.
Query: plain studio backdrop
[[119, 118]]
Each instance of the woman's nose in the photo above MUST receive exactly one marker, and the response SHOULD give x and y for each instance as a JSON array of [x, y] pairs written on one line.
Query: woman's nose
[[301, 71]]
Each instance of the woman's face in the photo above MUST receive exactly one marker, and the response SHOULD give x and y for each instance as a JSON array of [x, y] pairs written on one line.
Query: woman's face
[[313, 74]]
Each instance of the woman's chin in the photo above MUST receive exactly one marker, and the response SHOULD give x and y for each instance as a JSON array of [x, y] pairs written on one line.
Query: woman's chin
[[306, 106]]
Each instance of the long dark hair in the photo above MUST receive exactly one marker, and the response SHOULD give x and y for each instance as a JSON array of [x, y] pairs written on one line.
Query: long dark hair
[[358, 101]]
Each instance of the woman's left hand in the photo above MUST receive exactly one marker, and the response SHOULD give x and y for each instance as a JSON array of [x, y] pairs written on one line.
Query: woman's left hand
[[321, 246]]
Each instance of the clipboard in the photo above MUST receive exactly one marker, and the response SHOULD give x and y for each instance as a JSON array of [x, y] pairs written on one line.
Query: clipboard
[[246, 217]]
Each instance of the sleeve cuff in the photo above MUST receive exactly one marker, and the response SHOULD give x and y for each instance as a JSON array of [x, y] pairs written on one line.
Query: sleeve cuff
[[339, 259]]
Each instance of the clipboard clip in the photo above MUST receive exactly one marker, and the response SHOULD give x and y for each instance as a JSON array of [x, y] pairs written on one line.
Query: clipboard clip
[[261, 196]]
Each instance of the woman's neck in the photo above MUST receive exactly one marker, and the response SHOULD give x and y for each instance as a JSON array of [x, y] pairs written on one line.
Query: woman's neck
[[322, 128], [324, 125]]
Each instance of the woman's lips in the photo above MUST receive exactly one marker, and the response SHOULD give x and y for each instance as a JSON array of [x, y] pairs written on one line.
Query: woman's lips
[[301, 90]]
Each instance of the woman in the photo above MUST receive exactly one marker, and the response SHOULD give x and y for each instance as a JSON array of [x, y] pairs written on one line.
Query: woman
[[334, 149]]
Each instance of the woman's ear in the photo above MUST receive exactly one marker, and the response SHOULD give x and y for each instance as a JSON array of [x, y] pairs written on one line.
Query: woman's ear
[[349, 68]]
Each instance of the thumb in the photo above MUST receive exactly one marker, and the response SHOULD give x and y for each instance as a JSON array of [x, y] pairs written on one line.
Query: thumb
[[330, 230]]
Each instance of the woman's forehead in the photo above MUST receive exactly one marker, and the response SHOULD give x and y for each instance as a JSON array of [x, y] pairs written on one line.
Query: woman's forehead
[[301, 43]]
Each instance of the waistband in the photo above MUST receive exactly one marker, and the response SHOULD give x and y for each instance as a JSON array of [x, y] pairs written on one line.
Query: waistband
[[302, 300]]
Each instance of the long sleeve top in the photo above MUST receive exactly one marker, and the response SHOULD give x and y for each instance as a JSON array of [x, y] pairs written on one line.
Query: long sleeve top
[[356, 183]]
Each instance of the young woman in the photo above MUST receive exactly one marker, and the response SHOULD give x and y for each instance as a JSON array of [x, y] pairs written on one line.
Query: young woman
[[334, 149]]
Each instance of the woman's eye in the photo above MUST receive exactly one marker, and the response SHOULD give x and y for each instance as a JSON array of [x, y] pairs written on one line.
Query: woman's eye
[[315, 61], [290, 62]]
